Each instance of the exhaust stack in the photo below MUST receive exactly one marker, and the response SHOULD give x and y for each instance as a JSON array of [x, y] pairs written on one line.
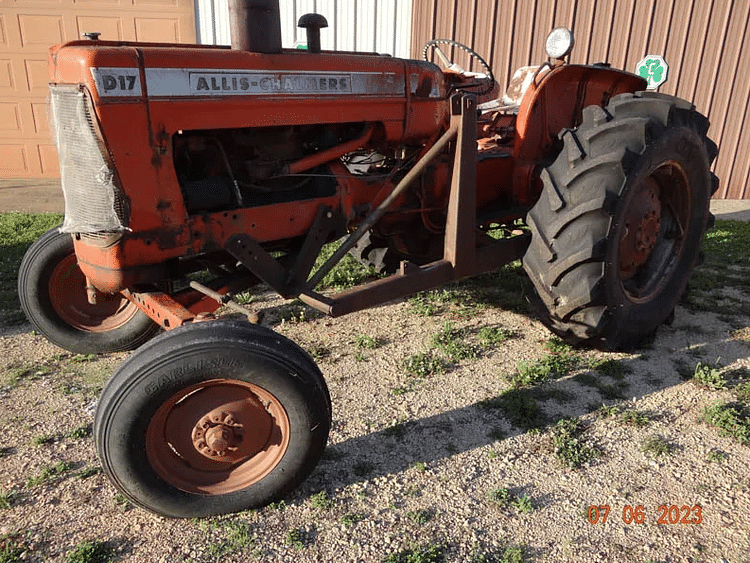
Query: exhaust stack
[[255, 25]]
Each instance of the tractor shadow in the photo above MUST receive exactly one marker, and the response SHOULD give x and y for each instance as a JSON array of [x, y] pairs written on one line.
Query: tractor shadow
[[668, 361]]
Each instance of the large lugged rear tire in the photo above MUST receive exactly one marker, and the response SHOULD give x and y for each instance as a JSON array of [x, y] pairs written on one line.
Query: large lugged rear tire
[[52, 291], [617, 230], [212, 418]]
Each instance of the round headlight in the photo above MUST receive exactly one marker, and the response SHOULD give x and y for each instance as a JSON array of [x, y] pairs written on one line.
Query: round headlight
[[559, 43]]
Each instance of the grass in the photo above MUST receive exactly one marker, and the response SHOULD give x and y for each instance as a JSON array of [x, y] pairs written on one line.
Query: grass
[[17, 232], [657, 446], [569, 445], [12, 548], [228, 536], [417, 554], [365, 342], [423, 364], [552, 366], [494, 335], [294, 538], [420, 517], [352, 519], [634, 418], [50, 472], [322, 501], [518, 406], [90, 552], [43, 440], [732, 420], [510, 554], [347, 273], [726, 266], [7, 499], [450, 342], [503, 498]]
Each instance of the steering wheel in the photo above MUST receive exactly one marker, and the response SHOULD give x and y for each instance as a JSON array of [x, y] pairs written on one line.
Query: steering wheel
[[449, 65]]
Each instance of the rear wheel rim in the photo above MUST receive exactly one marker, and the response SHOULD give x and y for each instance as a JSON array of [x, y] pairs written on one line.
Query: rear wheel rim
[[217, 437], [69, 299], [654, 231]]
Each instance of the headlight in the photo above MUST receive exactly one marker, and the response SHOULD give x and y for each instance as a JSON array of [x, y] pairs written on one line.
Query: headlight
[[559, 43]]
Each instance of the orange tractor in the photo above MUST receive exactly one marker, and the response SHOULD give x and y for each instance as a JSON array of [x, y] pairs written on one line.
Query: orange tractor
[[243, 162]]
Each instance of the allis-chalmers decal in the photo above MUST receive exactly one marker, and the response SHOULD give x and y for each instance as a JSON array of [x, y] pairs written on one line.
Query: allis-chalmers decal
[[253, 83], [180, 82]]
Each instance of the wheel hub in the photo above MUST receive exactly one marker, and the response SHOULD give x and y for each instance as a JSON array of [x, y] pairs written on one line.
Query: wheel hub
[[217, 434], [642, 226]]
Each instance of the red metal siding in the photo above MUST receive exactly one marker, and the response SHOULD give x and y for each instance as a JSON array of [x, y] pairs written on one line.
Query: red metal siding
[[704, 42]]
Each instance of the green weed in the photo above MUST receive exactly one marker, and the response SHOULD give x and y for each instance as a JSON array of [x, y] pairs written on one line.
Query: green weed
[[8, 499], [503, 498], [43, 440], [742, 392], [732, 420], [50, 472], [709, 376], [569, 446], [322, 501], [396, 430], [87, 472], [657, 446], [235, 536], [717, 456], [502, 555], [365, 342], [294, 538], [423, 554], [90, 552], [419, 516], [349, 520], [423, 364], [494, 335], [553, 366], [13, 549], [347, 273], [634, 418], [449, 341], [79, 433], [518, 407]]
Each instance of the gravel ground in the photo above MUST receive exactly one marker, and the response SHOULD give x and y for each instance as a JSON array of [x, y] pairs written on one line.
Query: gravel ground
[[432, 464]]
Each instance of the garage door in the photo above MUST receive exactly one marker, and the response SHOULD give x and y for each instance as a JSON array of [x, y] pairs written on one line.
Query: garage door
[[29, 27]]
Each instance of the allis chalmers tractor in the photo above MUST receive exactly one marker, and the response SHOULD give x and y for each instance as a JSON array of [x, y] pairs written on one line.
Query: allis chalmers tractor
[[244, 162]]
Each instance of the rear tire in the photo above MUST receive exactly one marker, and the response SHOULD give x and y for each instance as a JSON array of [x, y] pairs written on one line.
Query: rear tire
[[52, 291], [212, 418], [617, 229]]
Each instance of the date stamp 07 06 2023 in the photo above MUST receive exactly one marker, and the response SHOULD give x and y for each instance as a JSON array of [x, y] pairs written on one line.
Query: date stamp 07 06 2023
[[665, 514]]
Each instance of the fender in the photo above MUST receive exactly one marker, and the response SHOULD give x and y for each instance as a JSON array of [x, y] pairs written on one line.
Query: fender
[[554, 102]]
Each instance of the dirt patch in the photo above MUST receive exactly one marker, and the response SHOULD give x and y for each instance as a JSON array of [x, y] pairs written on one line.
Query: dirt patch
[[458, 461]]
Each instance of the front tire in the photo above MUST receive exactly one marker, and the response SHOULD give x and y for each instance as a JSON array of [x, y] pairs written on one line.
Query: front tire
[[212, 418], [617, 229], [52, 291]]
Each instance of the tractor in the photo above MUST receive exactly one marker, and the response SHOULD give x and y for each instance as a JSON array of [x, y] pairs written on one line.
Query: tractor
[[240, 163]]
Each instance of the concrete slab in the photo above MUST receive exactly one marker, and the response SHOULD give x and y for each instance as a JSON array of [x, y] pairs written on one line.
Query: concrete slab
[[31, 195]]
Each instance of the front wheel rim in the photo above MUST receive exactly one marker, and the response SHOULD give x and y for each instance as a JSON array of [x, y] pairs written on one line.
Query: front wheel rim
[[69, 299], [217, 437]]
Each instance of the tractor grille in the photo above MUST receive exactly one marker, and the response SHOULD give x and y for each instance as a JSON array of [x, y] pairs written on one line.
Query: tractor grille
[[93, 202]]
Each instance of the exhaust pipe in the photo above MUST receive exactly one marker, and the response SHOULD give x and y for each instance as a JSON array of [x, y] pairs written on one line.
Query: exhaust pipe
[[255, 25]]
